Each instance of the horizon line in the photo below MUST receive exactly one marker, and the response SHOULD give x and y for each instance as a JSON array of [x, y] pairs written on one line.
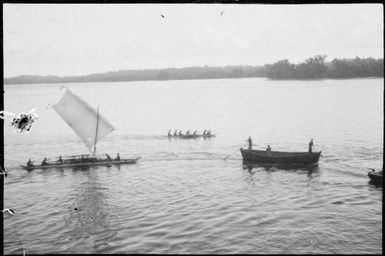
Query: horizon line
[[202, 66]]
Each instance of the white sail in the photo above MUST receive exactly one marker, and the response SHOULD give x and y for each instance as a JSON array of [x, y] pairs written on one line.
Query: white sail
[[88, 124]]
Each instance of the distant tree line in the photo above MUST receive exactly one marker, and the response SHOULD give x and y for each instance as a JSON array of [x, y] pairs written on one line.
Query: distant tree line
[[313, 68], [316, 68]]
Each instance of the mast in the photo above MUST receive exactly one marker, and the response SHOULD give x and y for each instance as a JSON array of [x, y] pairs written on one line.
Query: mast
[[97, 126]]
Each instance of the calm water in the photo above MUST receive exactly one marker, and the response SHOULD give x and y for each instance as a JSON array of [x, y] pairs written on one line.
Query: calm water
[[182, 197]]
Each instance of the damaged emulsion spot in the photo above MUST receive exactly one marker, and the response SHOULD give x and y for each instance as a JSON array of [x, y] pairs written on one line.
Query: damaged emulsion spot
[[23, 122]]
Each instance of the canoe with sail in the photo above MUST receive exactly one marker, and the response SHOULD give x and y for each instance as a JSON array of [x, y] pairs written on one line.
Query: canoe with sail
[[90, 126]]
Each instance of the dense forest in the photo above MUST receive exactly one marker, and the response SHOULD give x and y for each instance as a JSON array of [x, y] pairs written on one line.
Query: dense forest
[[312, 68], [316, 68]]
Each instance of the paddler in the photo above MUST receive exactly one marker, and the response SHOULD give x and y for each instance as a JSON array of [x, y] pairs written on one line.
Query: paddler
[[60, 161], [44, 162], [169, 133], [188, 132], [118, 157], [108, 157], [175, 133], [195, 132], [208, 133], [180, 133], [29, 163], [204, 132]]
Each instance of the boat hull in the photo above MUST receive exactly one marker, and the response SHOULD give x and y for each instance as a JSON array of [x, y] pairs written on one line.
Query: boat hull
[[277, 157], [83, 164], [376, 177]]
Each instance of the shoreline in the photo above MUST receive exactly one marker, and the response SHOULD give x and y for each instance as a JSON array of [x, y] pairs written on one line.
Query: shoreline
[[163, 80]]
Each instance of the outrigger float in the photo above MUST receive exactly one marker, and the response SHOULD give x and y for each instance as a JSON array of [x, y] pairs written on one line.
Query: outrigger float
[[90, 127]]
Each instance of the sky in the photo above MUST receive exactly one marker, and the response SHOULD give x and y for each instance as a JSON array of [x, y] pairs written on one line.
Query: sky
[[80, 39]]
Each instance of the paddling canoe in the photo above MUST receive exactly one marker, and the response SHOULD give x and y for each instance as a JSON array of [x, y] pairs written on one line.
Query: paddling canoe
[[192, 136]]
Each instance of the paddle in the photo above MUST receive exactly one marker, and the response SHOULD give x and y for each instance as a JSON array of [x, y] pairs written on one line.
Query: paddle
[[233, 152]]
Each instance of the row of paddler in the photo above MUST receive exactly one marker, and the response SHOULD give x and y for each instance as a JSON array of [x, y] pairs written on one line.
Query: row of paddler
[[206, 133]]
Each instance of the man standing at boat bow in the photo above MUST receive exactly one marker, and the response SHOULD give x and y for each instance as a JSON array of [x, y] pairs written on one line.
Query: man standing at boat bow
[[250, 143], [311, 145]]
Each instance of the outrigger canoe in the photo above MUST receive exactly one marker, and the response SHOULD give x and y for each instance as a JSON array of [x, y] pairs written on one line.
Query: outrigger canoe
[[90, 126], [376, 177], [77, 161], [279, 157]]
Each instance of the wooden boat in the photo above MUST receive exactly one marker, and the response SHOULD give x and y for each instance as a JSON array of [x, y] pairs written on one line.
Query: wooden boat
[[90, 127], [279, 157], [376, 177]]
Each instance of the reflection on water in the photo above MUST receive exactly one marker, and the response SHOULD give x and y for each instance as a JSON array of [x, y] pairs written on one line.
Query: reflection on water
[[312, 172], [89, 212], [288, 167]]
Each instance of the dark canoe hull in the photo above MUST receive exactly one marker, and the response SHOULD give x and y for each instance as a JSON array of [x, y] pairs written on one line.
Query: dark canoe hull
[[278, 157], [376, 177], [83, 164]]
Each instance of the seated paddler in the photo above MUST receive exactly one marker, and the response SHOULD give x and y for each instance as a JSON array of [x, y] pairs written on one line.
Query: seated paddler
[[169, 133], [180, 133], [29, 163], [44, 162], [176, 133], [108, 157], [195, 132]]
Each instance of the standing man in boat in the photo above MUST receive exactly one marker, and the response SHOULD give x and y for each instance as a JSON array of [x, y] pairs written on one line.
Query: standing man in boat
[[60, 161], [250, 143], [117, 157], [311, 145]]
